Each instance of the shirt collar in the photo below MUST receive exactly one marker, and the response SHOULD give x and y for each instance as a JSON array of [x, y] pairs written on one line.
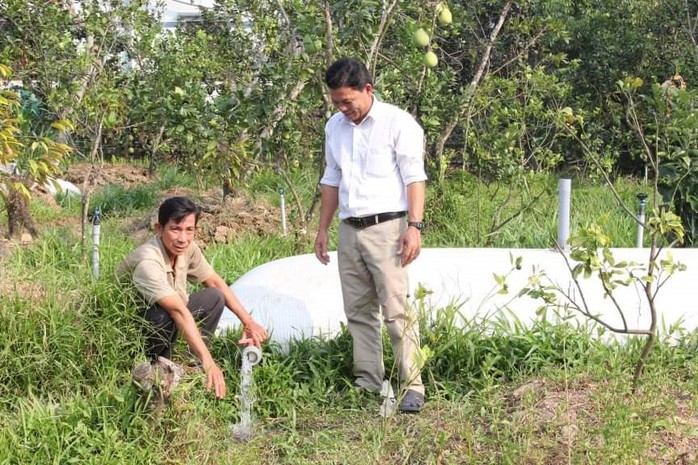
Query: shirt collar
[[165, 255], [373, 113]]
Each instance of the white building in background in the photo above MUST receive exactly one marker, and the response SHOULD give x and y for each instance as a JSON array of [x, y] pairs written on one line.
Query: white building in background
[[175, 11]]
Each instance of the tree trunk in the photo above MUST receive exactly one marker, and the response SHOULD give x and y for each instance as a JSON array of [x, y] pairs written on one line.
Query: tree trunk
[[155, 147], [228, 188], [18, 215]]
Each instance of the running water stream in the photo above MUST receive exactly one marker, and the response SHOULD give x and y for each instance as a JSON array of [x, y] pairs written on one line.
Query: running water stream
[[243, 430]]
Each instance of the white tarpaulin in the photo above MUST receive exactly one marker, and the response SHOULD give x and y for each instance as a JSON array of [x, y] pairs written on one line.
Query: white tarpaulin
[[298, 297]]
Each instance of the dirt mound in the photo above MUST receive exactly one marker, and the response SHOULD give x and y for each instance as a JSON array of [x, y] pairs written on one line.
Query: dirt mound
[[122, 175], [221, 221]]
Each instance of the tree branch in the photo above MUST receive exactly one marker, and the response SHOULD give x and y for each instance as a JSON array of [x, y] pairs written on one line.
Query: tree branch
[[470, 90], [382, 28]]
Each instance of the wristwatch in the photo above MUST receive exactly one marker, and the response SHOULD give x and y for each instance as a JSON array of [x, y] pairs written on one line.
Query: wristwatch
[[417, 224]]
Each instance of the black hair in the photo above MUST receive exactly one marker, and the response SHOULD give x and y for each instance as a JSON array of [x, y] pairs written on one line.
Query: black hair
[[347, 72], [176, 209]]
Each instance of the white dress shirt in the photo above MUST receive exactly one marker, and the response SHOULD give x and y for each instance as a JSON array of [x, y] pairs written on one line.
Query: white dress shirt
[[372, 162]]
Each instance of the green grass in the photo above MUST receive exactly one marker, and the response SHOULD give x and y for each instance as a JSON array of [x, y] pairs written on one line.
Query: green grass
[[499, 391], [468, 213]]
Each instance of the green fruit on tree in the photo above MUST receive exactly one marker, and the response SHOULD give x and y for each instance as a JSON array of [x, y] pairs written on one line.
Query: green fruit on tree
[[441, 6], [430, 59], [445, 17], [130, 150], [421, 38]]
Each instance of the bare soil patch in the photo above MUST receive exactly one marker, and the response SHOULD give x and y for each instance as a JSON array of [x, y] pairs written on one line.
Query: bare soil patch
[[561, 412], [122, 175], [221, 221]]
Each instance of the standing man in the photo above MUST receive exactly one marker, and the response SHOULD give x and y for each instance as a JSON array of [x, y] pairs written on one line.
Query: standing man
[[375, 176], [160, 270]]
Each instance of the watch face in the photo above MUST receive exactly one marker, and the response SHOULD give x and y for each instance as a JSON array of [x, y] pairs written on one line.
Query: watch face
[[417, 224]]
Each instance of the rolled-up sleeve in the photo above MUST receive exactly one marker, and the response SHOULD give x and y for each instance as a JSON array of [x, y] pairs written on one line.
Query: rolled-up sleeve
[[409, 151], [333, 174]]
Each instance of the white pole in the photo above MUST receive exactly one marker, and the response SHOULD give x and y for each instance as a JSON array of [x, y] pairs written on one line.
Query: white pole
[[283, 211], [640, 221], [95, 242], [564, 187]]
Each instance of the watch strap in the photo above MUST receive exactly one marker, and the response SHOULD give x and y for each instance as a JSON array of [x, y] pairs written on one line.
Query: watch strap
[[417, 224]]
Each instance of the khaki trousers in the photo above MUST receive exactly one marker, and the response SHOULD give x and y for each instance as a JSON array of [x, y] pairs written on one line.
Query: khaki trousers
[[373, 279], [206, 306]]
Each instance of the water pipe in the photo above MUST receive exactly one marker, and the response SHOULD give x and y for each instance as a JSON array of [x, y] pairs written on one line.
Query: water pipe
[[564, 188], [642, 198], [283, 210], [96, 218], [252, 354]]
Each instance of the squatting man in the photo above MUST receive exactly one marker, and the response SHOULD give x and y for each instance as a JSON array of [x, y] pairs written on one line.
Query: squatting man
[[159, 271]]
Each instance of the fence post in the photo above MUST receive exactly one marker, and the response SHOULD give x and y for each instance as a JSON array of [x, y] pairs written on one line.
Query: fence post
[[564, 188]]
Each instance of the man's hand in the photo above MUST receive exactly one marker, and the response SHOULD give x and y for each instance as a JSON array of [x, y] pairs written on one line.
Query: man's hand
[[215, 380], [321, 247], [410, 245], [253, 333]]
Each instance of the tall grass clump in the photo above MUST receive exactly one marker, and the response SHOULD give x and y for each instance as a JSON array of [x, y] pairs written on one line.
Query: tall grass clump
[[472, 354], [170, 176], [57, 252], [59, 346], [115, 199], [100, 428]]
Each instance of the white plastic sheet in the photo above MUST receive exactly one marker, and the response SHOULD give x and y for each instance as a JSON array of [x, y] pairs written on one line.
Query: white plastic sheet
[[298, 297]]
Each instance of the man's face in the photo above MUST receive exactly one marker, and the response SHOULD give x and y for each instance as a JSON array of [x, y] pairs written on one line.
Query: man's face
[[177, 237], [355, 104]]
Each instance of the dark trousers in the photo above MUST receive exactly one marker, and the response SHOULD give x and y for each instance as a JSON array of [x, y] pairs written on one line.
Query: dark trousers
[[161, 332]]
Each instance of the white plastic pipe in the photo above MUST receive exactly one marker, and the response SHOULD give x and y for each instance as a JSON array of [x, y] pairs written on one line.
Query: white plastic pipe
[[95, 242], [251, 355], [564, 187], [639, 238], [283, 211]]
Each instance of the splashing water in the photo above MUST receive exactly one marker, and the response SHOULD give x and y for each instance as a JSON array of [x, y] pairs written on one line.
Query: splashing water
[[389, 404], [242, 431]]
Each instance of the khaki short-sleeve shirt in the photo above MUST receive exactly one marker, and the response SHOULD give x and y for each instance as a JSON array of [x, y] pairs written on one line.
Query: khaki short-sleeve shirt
[[154, 278]]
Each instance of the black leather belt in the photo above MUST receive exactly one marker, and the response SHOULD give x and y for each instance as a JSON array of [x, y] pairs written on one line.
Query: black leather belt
[[366, 221]]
